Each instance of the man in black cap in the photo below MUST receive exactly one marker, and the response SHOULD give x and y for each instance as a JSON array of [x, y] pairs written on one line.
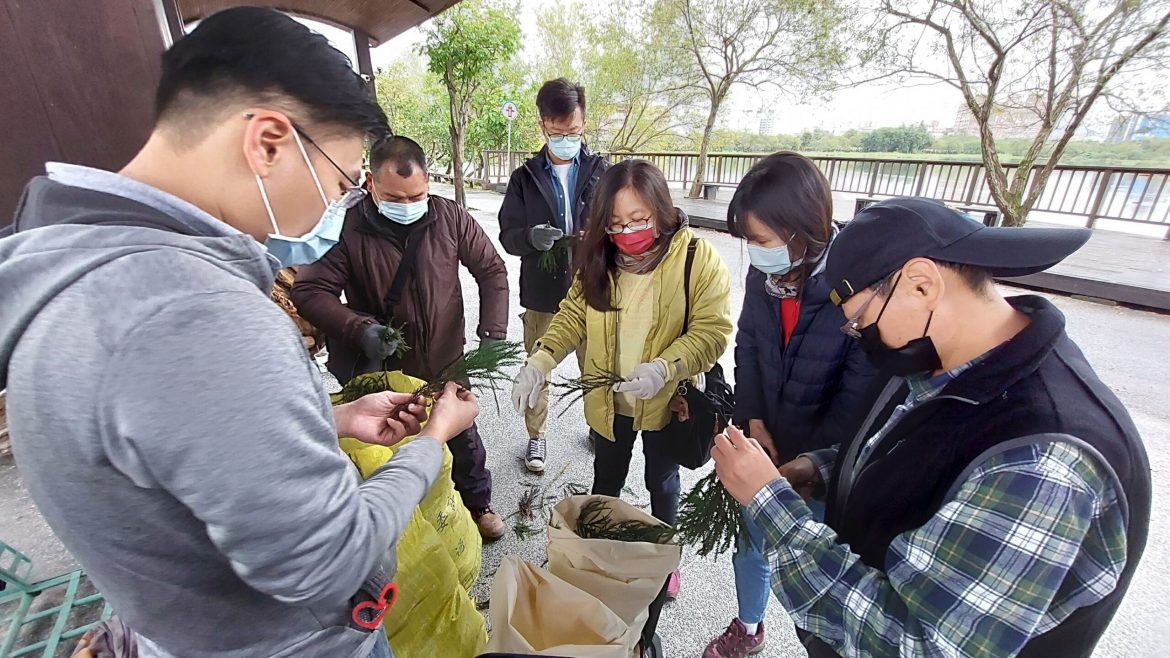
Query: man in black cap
[[996, 499]]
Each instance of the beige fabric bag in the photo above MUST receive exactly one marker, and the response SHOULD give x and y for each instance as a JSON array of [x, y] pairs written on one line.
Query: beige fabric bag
[[625, 576], [534, 612]]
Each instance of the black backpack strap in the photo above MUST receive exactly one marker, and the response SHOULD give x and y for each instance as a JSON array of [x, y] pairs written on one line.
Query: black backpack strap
[[405, 267], [687, 283]]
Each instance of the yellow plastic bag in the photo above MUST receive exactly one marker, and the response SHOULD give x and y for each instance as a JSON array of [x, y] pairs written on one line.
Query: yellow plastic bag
[[439, 558], [442, 507], [434, 615]]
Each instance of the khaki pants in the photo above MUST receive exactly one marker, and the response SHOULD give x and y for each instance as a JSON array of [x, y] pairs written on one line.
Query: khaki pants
[[535, 324]]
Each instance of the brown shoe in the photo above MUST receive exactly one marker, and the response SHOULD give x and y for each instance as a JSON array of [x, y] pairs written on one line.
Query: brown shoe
[[491, 526]]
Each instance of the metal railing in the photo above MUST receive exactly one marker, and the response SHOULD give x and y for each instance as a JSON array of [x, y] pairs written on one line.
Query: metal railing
[[1124, 194]]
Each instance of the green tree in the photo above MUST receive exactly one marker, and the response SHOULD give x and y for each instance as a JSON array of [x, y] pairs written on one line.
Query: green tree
[[466, 46], [415, 102], [637, 98], [1051, 59], [906, 139], [790, 44]]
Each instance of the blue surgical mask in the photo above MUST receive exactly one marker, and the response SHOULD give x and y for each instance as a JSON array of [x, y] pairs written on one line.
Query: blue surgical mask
[[290, 250], [774, 260], [565, 148], [403, 213]]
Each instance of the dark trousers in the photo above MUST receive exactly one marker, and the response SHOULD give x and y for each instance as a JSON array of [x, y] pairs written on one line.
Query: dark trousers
[[814, 646], [469, 470], [611, 465]]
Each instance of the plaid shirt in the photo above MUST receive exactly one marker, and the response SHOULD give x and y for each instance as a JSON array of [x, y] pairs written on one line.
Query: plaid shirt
[[1033, 534]]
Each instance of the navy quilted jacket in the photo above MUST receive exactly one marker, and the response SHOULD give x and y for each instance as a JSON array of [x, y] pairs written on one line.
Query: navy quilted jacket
[[808, 392]]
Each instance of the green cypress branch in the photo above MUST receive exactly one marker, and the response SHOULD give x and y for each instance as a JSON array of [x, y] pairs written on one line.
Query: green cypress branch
[[709, 517], [596, 522], [549, 260]]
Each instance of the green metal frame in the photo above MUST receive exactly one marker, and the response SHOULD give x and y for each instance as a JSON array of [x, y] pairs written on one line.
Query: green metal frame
[[15, 570]]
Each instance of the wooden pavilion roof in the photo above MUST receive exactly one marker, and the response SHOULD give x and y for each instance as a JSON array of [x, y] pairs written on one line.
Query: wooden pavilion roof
[[380, 19]]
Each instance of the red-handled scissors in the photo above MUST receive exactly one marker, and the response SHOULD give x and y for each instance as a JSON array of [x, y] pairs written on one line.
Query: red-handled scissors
[[378, 608]]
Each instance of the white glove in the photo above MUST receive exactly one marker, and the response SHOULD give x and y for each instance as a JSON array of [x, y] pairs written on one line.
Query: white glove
[[543, 237], [645, 381], [527, 387]]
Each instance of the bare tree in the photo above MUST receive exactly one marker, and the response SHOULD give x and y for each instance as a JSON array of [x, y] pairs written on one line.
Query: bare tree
[[790, 44], [1053, 58]]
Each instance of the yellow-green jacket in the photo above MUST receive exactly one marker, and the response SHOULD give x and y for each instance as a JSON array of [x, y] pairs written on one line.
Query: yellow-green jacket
[[707, 337]]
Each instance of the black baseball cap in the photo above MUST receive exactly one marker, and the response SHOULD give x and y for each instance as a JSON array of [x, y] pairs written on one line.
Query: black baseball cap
[[885, 236]]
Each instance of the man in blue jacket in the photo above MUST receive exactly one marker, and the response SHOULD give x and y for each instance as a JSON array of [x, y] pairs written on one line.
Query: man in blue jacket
[[548, 198]]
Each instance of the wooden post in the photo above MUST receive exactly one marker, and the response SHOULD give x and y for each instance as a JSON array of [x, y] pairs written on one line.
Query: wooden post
[[922, 169], [973, 185], [361, 43], [1099, 198], [873, 176], [174, 18]]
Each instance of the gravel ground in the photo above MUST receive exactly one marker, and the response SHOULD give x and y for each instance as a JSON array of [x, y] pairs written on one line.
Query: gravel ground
[[1123, 344]]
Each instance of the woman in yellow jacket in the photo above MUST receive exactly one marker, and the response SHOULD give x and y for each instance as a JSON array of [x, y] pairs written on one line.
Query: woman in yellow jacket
[[627, 304]]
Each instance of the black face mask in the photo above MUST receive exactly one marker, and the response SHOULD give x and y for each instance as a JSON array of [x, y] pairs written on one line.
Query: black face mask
[[914, 358]]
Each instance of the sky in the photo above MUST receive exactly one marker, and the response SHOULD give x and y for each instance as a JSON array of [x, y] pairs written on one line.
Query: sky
[[863, 107]]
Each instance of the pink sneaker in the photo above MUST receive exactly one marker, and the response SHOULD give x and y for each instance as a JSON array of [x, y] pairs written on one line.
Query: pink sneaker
[[673, 585], [735, 642]]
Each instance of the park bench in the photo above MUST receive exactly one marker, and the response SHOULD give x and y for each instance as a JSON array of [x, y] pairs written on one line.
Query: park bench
[[66, 620], [711, 190], [989, 215]]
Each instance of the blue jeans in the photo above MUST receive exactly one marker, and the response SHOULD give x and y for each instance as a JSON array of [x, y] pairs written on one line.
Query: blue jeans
[[753, 578], [381, 646]]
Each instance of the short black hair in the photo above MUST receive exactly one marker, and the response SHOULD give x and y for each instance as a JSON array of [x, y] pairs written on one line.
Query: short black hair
[[260, 55], [558, 98], [402, 152], [978, 279]]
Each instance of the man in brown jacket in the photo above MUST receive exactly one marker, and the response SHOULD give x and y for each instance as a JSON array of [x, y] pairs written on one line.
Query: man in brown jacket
[[398, 263]]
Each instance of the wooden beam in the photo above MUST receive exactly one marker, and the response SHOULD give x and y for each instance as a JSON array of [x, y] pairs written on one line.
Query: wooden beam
[[174, 18], [361, 42]]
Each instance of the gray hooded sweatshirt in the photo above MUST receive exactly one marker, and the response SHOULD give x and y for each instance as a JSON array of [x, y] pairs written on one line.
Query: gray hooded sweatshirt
[[174, 433]]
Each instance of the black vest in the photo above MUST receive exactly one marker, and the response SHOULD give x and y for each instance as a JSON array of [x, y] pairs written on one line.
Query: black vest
[[1038, 383]]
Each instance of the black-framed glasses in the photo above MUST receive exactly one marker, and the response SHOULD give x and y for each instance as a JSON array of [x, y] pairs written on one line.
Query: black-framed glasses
[[305, 136], [572, 138], [352, 195]]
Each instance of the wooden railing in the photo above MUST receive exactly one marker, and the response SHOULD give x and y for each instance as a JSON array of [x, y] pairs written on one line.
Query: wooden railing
[[1125, 194]]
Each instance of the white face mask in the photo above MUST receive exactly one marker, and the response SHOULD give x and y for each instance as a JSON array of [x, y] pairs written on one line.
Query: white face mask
[[290, 250]]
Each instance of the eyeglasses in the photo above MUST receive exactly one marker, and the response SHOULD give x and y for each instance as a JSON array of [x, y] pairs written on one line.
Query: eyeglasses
[[851, 327], [635, 226], [570, 137], [355, 193]]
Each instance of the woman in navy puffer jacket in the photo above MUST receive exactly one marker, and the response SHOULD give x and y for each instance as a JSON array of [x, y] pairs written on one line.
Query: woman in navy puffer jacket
[[799, 380]]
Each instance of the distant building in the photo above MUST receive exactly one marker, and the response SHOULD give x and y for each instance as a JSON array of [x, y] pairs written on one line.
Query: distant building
[[767, 125], [1128, 127], [1021, 119]]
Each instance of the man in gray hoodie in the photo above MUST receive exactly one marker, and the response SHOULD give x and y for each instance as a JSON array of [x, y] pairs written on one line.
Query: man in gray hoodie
[[163, 411]]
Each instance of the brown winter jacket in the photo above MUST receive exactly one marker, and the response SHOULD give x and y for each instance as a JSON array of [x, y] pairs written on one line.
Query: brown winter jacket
[[363, 265]]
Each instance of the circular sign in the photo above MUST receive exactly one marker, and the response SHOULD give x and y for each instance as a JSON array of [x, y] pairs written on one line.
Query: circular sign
[[509, 110]]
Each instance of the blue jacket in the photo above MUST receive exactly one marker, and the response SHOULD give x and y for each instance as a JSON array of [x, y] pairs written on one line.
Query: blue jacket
[[808, 392]]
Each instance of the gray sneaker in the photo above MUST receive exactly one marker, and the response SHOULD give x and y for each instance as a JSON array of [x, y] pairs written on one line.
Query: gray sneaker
[[534, 458]]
